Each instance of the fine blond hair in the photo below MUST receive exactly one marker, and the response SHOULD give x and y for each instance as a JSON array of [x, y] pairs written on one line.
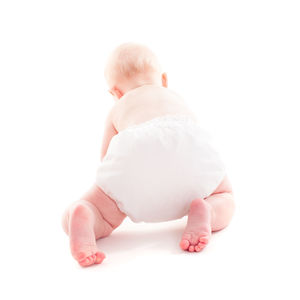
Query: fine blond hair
[[131, 61]]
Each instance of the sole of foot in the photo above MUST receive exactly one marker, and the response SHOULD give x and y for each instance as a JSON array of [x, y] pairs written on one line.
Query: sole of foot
[[82, 238], [198, 229]]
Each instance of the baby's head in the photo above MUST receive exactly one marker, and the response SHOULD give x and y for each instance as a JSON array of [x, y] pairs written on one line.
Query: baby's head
[[130, 66]]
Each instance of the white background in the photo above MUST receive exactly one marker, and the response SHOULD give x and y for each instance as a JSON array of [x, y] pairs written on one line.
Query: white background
[[237, 65]]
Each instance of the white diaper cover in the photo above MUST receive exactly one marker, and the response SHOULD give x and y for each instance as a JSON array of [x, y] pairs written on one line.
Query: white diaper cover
[[154, 170]]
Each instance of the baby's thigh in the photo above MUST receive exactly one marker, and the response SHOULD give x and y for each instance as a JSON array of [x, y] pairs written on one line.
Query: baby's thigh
[[105, 205]]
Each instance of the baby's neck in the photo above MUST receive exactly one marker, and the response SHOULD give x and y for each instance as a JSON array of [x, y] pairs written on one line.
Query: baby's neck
[[136, 86]]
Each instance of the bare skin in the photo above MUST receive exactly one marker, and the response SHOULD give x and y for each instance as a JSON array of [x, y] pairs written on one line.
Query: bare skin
[[140, 105], [93, 217], [96, 215], [207, 215]]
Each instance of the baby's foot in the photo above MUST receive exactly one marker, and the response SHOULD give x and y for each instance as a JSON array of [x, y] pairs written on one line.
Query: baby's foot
[[198, 229], [82, 237]]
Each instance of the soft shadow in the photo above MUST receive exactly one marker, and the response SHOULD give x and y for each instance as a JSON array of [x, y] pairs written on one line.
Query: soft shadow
[[163, 238]]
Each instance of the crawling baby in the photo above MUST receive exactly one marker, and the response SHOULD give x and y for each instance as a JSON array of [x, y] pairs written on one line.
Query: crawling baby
[[157, 164]]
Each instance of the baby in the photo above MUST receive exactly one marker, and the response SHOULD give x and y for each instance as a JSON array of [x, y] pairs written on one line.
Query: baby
[[157, 163]]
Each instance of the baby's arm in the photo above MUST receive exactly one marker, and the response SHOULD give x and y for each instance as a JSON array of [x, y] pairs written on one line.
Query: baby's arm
[[109, 132]]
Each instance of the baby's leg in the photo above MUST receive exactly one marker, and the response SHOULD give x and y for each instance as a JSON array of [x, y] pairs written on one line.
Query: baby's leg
[[206, 215], [85, 221]]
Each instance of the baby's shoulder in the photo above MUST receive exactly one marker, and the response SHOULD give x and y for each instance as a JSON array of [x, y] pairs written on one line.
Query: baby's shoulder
[[115, 112]]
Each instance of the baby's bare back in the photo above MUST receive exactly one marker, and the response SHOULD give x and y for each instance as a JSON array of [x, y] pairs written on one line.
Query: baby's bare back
[[145, 103]]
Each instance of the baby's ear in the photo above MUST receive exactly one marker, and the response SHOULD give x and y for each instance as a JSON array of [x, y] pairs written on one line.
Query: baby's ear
[[116, 92], [164, 80]]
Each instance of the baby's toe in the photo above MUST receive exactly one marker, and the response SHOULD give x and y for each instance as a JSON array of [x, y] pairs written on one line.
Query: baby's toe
[[80, 256], [200, 246], [192, 248], [87, 261], [84, 262], [197, 248], [184, 244], [203, 240], [99, 257]]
